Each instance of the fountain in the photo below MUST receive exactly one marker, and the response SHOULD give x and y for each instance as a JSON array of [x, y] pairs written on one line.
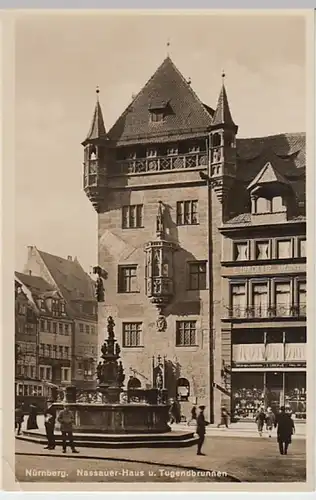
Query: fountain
[[111, 417]]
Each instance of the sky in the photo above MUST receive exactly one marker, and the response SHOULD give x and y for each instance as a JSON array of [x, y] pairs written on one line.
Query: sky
[[60, 59]]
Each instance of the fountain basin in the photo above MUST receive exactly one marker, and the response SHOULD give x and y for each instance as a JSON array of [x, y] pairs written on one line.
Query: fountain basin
[[118, 418]]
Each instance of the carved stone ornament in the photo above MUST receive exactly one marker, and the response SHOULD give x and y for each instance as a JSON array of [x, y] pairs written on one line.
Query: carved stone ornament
[[161, 323]]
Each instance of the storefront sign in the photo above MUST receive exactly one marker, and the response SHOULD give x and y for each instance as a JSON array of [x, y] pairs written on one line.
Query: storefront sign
[[270, 365], [268, 269]]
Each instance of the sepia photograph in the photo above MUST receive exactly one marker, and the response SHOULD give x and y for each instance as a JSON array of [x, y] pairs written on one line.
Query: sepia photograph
[[160, 284]]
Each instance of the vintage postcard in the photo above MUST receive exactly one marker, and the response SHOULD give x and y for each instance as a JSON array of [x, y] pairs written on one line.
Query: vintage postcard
[[159, 335]]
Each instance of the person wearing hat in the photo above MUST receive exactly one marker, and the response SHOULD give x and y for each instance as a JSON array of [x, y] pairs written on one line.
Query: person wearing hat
[[66, 419], [285, 429], [50, 419], [201, 424]]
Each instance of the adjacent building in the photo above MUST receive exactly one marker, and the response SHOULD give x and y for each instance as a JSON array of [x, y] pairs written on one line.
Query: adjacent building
[[202, 236], [72, 320], [54, 326]]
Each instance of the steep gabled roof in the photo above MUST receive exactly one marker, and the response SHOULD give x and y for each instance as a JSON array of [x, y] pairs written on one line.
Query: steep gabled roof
[[35, 284], [222, 115], [185, 113], [72, 281]]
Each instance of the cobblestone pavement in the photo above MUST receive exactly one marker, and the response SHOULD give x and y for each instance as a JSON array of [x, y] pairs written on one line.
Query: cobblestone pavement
[[246, 459]]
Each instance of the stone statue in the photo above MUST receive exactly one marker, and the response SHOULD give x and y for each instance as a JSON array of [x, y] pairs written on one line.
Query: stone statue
[[159, 381], [99, 371], [104, 348], [120, 374], [159, 219], [111, 326], [117, 349]]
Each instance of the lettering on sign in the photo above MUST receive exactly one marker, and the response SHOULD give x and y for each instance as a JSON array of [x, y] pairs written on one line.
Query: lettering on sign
[[270, 365], [286, 268]]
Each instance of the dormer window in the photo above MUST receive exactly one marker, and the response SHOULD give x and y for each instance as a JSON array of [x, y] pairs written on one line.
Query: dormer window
[[157, 110], [268, 206], [157, 116]]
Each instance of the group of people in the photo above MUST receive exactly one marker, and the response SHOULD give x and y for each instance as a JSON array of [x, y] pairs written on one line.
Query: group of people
[[65, 418], [282, 422]]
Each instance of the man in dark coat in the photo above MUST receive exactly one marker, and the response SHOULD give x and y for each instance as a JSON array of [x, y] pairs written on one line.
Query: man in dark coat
[[201, 424], [19, 417], [285, 429], [50, 419]]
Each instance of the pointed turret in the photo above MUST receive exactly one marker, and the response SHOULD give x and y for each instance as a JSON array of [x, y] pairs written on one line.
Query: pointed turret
[[97, 128], [96, 158], [223, 145], [222, 116]]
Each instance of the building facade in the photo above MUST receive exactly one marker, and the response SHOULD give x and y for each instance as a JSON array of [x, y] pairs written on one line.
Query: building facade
[[169, 180], [54, 339], [72, 319]]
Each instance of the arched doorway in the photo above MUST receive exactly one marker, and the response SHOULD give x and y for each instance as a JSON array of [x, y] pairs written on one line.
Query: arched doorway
[[133, 383], [183, 389]]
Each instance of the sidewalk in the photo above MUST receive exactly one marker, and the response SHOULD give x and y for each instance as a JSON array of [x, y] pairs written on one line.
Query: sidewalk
[[240, 429]]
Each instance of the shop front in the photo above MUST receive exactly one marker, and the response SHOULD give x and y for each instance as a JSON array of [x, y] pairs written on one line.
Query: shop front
[[269, 386]]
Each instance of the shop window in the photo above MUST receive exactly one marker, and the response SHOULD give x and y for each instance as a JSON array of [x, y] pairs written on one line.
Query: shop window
[[241, 250], [284, 249], [185, 333], [262, 250], [197, 275], [183, 389]]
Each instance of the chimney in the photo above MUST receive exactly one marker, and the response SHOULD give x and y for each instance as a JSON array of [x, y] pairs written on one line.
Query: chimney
[[30, 272], [69, 257]]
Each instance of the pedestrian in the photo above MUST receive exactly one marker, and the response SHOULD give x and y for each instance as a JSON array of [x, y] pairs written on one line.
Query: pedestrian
[[50, 419], [224, 417], [201, 424], [285, 430], [66, 420], [260, 420], [193, 415], [31, 422], [270, 419], [19, 418]]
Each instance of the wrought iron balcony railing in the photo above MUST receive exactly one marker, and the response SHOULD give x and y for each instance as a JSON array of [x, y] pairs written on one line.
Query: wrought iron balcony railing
[[277, 311], [161, 163]]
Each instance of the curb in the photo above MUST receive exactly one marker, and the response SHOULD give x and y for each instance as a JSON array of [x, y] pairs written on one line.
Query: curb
[[227, 478]]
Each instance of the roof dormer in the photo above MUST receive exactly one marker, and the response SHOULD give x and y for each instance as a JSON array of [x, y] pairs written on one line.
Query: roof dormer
[[271, 195]]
